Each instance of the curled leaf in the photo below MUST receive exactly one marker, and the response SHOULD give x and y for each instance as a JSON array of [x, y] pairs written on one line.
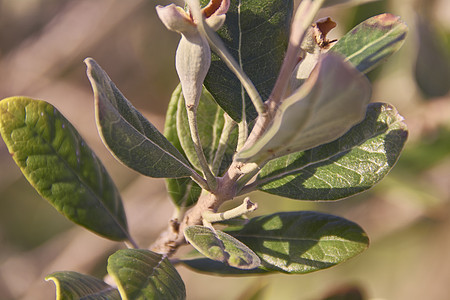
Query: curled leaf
[[222, 247], [327, 105]]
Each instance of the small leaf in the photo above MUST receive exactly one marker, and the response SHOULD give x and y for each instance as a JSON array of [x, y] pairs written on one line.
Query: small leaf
[[349, 165], [210, 122], [256, 34], [222, 247], [73, 285], [129, 136], [302, 242], [184, 192], [61, 167], [373, 41], [143, 274], [327, 105]]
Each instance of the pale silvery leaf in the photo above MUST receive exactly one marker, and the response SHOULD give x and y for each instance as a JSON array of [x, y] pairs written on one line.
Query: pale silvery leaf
[[327, 105]]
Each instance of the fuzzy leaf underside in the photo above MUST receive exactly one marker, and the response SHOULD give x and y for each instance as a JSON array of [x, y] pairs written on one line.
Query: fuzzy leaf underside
[[143, 274], [293, 242], [351, 164], [61, 167], [73, 285], [130, 137], [256, 34], [326, 106], [221, 247], [372, 41]]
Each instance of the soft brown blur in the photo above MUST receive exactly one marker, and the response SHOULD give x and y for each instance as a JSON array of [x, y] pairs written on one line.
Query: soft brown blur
[[42, 47]]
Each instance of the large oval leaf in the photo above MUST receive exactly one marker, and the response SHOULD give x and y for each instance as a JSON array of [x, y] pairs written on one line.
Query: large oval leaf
[[302, 242], [256, 34], [61, 167], [143, 274], [219, 246], [129, 135], [73, 285], [372, 41], [349, 165]]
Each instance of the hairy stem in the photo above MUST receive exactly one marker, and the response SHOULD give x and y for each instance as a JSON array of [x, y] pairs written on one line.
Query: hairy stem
[[192, 119]]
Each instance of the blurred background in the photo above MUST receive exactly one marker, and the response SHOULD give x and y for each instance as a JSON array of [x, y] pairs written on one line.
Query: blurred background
[[407, 216]]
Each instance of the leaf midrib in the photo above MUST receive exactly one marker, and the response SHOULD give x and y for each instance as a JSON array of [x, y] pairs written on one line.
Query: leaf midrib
[[371, 44]]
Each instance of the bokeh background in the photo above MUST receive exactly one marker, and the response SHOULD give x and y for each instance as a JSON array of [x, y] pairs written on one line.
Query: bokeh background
[[407, 216]]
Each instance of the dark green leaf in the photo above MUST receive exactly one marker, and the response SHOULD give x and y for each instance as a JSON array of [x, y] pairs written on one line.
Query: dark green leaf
[[256, 34], [372, 42], [142, 274], [349, 165], [129, 135], [183, 191], [73, 285], [302, 242], [61, 167], [221, 247]]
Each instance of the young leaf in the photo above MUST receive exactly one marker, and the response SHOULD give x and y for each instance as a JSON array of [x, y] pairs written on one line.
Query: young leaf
[[256, 34], [372, 42], [128, 135], [73, 285], [143, 274], [184, 192], [222, 247], [349, 165], [61, 167], [302, 242], [210, 122], [328, 104]]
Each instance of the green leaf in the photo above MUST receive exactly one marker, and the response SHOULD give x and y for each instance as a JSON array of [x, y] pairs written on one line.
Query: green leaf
[[221, 247], [129, 136], [210, 122], [256, 34], [372, 42], [184, 192], [73, 285], [349, 165], [143, 274], [302, 242], [327, 105], [61, 167]]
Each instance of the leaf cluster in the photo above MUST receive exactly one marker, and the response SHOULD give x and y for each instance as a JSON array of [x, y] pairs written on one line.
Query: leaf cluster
[[324, 141]]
